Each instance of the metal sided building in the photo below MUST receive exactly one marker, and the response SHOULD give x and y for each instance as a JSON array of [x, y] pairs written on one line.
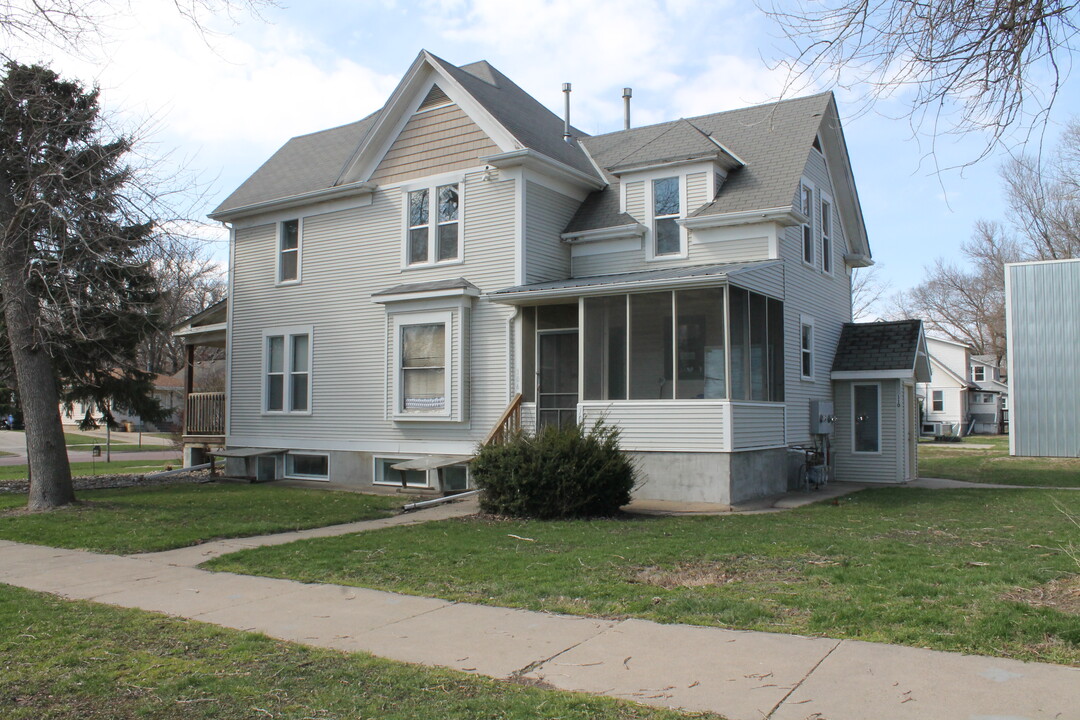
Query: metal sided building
[[1042, 312]]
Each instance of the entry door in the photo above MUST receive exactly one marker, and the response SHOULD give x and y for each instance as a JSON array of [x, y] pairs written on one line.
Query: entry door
[[556, 378]]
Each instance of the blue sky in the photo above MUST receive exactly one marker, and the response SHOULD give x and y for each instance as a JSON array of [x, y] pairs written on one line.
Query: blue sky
[[220, 104]]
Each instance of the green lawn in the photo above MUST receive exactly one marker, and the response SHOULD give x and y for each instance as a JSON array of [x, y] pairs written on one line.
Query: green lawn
[[65, 659], [914, 567], [966, 461], [100, 467], [161, 517]]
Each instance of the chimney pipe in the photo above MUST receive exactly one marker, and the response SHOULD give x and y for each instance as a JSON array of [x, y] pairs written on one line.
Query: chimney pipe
[[627, 93], [566, 120]]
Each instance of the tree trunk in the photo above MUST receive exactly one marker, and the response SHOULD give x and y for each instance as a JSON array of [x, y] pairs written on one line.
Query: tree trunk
[[50, 484]]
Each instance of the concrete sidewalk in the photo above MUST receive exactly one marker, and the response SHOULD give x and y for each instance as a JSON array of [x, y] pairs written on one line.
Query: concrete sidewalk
[[740, 675]]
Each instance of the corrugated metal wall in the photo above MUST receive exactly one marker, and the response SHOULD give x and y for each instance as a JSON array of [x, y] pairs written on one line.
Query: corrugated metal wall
[[1043, 318]]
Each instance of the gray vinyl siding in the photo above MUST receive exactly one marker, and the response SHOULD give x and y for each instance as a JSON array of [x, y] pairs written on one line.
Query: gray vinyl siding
[[697, 191], [740, 250], [347, 256], [667, 426], [431, 142], [635, 201], [547, 213], [812, 293], [885, 466], [609, 263], [756, 425], [1044, 358]]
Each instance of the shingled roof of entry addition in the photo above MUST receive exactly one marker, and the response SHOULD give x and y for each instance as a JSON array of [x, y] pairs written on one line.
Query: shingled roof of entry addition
[[878, 346]]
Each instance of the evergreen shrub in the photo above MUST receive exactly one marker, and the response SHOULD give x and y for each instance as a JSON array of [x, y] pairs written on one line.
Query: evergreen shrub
[[557, 473]]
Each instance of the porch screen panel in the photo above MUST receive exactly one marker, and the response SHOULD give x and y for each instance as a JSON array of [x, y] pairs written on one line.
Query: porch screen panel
[[776, 350], [738, 319], [605, 348], [528, 354], [759, 359], [651, 347], [700, 351]]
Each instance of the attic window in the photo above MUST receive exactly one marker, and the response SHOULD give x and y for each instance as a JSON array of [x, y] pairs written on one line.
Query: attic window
[[435, 98], [817, 144]]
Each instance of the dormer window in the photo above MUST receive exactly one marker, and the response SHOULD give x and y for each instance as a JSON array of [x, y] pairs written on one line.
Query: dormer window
[[434, 220], [978, 373], [667, 236]]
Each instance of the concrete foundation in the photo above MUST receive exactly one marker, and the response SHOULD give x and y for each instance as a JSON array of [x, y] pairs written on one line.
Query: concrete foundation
[[723, 478]]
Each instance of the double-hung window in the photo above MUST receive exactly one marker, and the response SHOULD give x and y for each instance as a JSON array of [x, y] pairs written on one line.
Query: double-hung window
[[806, 193], [434, 225], [422, 362], [938, 401], [978, 373], [826, 235], [667, 237], [288, 251], [806, 353], [287, 375]]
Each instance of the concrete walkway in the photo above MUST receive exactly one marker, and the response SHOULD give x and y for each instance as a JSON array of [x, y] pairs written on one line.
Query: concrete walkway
[[740, 675]]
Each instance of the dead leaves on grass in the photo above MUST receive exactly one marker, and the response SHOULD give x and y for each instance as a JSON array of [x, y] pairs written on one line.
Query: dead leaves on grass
[[1062, 595]]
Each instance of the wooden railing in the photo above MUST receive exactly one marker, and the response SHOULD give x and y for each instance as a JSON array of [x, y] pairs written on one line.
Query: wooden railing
[[508, 423], [205, 414]]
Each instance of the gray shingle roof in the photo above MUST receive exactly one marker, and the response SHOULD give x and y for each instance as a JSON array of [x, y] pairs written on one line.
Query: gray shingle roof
[[303, 164], [878, 346], [773, 140], [432, 285]]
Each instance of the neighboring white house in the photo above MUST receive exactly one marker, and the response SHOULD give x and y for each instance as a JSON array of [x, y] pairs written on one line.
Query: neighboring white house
[[402, 284], [1042, 311], [967, 394], [168, 390]]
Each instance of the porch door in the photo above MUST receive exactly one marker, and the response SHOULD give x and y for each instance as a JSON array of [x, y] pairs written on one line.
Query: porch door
[[556, 378]]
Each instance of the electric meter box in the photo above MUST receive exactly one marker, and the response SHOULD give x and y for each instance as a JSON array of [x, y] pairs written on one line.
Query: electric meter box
[[822, 417]]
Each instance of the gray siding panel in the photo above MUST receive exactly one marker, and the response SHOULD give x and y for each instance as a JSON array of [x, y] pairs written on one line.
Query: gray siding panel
[[663, 425], [739, 250], [609, 263], [757, 426], [1044, 358], [547, 213], [812, 293], [347, 256]]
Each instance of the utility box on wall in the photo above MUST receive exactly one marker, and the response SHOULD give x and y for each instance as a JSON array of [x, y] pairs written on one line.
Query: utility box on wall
[[822, 417]]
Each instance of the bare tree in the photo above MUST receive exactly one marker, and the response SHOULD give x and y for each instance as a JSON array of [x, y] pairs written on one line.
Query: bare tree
[[1044, 200], [188, 282], [868, 289], [967, 305], [988, 66], [68, 24]]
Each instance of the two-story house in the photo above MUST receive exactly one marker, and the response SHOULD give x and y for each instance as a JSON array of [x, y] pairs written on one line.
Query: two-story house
[[401, 285], [967, 394]]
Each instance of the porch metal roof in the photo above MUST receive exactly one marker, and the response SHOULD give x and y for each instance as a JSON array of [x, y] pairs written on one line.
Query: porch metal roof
[[604, 284]]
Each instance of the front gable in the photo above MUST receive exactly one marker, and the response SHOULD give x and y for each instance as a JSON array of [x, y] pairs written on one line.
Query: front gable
[[439, 137]]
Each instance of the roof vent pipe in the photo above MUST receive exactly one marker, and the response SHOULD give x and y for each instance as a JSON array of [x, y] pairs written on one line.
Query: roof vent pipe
[[627, 93], [566, 120]]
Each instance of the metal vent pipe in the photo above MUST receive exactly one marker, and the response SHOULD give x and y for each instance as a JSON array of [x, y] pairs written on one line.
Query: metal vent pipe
[[627, 93], [566, 116]]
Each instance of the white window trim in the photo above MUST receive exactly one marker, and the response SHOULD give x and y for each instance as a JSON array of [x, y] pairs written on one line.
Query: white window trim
[[288, 333], [827, 258], [804, 322], [299, 252], [302, 476], [650, 208], [432, 185], [376, 462], [405, 319], [805, 185], [975, 368], [881, 411], [933, 400]]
